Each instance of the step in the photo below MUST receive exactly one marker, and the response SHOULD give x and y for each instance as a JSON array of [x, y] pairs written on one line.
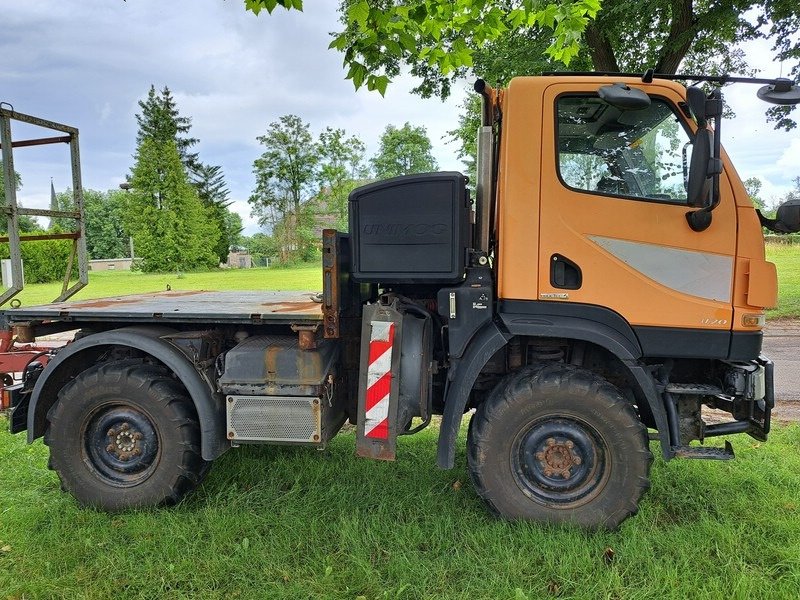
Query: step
[[708, 453], [700, 389]]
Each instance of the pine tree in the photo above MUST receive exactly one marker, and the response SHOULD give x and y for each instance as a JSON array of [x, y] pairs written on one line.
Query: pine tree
[[171, 228], [161, 121], [213, 192]]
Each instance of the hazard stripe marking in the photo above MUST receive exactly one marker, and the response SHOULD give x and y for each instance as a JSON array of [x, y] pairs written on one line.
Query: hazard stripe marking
[[379, 380]]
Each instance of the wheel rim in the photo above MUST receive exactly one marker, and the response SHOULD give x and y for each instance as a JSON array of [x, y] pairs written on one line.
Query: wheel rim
[[560, 462], [121, 444]]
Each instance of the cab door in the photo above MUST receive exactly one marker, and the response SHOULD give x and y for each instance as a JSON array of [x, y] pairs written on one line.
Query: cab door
[[613, 230]]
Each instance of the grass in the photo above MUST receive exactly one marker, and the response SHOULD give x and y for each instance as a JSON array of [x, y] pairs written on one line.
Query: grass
[[281, 522], [103, 284], [787, 259]]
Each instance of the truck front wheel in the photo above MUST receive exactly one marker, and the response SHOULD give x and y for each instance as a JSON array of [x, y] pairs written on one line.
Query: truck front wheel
[[125, 435], [556, 443]]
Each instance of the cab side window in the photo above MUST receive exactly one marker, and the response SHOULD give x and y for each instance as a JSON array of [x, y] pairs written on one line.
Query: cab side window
[[637, 154]]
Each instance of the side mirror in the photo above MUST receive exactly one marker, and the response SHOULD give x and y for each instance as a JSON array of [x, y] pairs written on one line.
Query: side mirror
[[787, 218], [698, 181]]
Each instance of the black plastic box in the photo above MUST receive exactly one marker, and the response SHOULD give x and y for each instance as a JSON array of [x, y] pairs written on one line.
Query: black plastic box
[[410, 229]]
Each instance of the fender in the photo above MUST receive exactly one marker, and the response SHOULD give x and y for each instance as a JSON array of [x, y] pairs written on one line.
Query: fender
[[599, 326], [491, 338], [82, 353], [460, 379]]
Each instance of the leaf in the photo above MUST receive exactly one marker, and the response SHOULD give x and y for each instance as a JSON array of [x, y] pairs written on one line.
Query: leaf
[[328, 570], [359, 13], [339, 42], [245, 543], [5, 548], [380, 83]]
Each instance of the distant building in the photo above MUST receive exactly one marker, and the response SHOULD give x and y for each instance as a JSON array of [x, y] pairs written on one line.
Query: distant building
[[239, 260], [110, 264]]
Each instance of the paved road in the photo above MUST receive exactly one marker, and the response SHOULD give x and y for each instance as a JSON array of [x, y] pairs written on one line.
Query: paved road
[[782, 345]]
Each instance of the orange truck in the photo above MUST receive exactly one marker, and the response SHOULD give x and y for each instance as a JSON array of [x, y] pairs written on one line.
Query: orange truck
[[605, 289]]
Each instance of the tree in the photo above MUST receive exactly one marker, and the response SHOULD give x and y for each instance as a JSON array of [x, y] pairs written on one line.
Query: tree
[[285, 174], [341, 169], [170, 226], [161, 121], [403, 151], [753, 187], [213, 192], [104, 215], [382, 35], [438, 39]]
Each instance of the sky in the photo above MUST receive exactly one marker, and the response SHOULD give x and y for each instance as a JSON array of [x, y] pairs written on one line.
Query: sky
[[87, 63]]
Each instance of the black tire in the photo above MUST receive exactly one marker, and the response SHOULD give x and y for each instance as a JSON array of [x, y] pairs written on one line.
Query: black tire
[[558, 444], [123, 435]]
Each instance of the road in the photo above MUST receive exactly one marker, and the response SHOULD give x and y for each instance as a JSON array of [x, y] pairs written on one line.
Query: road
[[782, 345]]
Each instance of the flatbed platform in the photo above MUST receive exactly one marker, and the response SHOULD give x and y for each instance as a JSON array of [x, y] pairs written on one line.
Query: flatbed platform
[[188, 306]]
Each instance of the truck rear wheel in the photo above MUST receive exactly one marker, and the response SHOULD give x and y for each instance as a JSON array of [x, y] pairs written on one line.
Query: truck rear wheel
[[125, 435], [559, 444]]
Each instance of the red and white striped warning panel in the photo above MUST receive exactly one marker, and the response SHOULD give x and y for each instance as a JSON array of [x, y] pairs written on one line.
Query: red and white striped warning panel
[[379, 380]]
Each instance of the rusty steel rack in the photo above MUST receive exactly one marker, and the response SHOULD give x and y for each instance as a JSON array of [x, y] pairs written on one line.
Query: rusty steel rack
[[13, 211]]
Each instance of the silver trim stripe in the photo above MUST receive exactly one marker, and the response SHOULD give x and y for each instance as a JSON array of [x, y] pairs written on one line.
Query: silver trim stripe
[[700, 274]]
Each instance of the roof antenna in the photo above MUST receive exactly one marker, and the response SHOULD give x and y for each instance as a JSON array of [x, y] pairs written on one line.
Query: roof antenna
[[648, 76]]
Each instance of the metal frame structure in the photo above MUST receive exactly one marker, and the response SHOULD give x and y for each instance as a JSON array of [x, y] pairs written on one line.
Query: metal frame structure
[[13, 211]]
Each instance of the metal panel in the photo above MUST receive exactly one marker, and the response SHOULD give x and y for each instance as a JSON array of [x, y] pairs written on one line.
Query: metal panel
[[484, 186], [182, 307], [287, 419]]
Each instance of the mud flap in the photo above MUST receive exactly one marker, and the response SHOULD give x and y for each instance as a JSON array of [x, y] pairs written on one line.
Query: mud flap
[[395, 343]]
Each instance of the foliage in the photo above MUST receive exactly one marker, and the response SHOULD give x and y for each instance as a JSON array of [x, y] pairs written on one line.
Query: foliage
[[161, 121], [285, 175], [104, 217], [171, 228], [753, 187], [341, 169], [43, 261], [403, 151], [214, 194], [261, 246], [382, 36]]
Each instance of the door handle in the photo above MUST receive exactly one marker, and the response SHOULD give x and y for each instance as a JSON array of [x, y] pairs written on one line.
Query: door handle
[[564, 273]]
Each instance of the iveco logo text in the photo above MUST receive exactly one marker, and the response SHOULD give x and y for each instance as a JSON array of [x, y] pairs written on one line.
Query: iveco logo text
[[400, 229]]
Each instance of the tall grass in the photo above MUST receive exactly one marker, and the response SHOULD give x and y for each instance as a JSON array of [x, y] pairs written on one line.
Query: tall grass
[[282, 522]]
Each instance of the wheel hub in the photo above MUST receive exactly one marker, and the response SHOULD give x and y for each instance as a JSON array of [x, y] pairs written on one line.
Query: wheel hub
[[557, 458], [559, 461], [121, 444], [125, 442]]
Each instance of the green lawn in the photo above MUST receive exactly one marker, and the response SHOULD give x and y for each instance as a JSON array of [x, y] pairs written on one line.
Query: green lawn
[[787, 259], [116, 283], [282, 522]]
